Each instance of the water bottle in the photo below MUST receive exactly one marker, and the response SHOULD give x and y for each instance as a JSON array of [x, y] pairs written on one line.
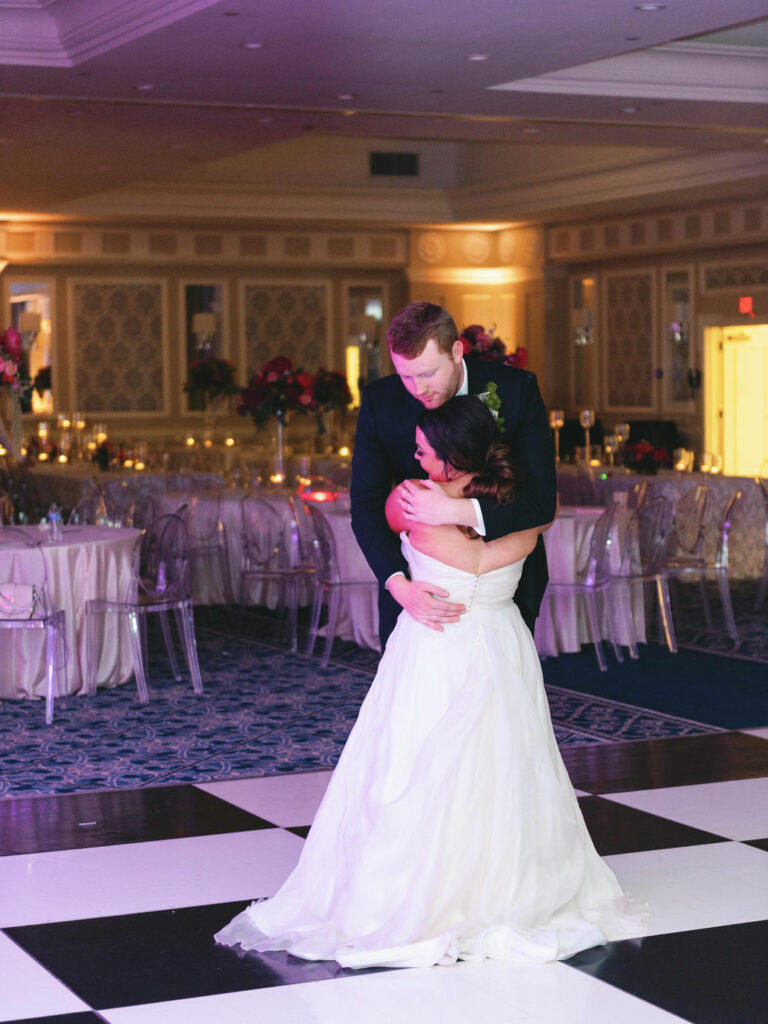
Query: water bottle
[[55, 522]]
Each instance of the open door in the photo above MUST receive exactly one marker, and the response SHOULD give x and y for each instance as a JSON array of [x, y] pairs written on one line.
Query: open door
[[737, 396]]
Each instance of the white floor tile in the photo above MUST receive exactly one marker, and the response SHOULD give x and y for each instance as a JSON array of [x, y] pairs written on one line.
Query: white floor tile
[[285, 800], [696, 886], [28, 990], [489, 993], [736, 809], [107, 880], [762, 733]]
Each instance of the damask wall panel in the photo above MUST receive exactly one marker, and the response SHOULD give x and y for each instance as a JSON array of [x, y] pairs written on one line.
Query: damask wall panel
[[118, 346], [287, 320], [629, 340]]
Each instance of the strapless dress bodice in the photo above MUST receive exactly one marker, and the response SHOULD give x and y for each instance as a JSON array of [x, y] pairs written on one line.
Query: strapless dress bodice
[[488, 589]]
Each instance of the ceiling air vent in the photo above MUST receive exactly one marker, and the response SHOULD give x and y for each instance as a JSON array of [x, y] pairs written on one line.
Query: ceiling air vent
[[403, 165]]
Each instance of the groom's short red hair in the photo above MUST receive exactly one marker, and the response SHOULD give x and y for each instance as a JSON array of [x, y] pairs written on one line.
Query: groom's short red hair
[[415, 324]]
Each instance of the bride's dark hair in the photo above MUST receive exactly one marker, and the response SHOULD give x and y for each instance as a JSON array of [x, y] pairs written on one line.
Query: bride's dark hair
[[464, 434]]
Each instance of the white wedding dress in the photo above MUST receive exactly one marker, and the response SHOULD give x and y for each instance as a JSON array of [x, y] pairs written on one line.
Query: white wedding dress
[[449, 829]]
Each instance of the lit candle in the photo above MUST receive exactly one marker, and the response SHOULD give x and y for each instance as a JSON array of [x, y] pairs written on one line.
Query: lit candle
[[229, 442]]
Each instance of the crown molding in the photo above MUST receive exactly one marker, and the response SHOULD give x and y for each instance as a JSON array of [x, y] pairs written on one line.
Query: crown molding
[[682, 71], [63, 33]]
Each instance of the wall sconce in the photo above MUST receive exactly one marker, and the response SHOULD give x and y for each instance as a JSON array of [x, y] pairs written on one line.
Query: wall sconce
[[582, 332], [204, 330], [29, 328]]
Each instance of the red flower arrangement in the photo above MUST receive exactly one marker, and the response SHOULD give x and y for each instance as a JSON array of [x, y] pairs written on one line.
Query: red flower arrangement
[[330, 390], [484, 345], [211, 378], [10, 360], [642, 457], [275, 390]]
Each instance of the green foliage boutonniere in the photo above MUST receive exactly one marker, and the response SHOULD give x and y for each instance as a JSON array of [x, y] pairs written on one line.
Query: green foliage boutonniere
[[490, 399]]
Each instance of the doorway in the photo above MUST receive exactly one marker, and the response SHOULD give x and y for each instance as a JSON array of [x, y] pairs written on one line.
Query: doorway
[[736, 396]]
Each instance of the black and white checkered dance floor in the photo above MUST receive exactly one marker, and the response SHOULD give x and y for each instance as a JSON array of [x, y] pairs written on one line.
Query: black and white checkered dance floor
[[109, 901]]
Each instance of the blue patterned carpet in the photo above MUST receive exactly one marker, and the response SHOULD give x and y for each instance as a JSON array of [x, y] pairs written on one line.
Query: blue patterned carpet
[[264, 712]]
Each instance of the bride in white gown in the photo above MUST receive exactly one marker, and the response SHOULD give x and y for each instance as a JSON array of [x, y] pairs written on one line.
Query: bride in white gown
[[449, 829]]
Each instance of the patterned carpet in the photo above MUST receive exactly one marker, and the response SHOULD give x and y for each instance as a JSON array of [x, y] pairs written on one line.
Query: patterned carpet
[[264, 712]]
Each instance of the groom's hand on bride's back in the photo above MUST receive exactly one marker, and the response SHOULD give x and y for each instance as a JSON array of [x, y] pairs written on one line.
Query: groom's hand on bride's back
[[423, 602]]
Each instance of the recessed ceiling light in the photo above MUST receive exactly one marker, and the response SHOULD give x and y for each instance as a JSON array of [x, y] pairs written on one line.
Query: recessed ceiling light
[[145, 88], [346, 96], [531, 131], [253, 46], [650, 7], [479, 56], [266, 120], [629, 110]]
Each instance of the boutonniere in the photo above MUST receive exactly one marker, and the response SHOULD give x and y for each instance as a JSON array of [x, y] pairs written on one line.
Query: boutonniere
[[490, 399]]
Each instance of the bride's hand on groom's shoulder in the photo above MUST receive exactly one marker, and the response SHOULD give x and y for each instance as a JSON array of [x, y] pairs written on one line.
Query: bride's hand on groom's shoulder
[[425, 501], [423, 602]]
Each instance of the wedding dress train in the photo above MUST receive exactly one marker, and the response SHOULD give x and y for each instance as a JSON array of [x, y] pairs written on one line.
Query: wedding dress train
[[449, 829]]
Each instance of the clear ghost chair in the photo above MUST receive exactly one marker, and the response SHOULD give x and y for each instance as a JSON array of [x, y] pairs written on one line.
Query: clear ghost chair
[[644, 544], [638, 494], [207, 535], [142, 513], [272, 554], [159, 584], [95, 508], [25, 604], [328, 584], [593, 580], [704, 568]]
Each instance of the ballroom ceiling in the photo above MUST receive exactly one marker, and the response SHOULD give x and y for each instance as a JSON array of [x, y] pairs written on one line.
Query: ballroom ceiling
[[101, 101]]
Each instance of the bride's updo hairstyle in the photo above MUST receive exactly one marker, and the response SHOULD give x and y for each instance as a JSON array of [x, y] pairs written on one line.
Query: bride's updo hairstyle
[[464, 435]]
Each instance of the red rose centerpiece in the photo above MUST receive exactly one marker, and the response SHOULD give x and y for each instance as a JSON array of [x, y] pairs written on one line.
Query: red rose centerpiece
[[274, 392]]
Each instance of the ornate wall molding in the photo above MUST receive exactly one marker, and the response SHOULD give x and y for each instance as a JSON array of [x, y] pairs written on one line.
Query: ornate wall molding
[[71, 243], [692, 228], [733, 277]]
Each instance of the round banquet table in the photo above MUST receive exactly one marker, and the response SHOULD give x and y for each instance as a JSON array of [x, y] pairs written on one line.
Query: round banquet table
[[88, 562]]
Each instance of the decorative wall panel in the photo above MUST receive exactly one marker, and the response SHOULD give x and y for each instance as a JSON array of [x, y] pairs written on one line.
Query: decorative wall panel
[[735, 276], [629, 340], [288, 320], [118, 346]]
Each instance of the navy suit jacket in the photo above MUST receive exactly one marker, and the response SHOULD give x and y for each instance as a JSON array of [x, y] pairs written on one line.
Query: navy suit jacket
[[384, 456]]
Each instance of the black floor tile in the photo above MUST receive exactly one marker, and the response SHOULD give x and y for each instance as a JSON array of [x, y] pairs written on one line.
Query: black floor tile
[[615, 828], [133, 959], [708, 976], [651, 764], [299, 830], [71, 822]]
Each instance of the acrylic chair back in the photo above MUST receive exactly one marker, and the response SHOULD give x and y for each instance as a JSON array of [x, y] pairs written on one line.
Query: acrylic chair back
[[638, 494], [687, 534], [262, 534], [23, 576], [728, 520], [601, 549], [162, 567], [325, 549], [95, 508], [653, 522]]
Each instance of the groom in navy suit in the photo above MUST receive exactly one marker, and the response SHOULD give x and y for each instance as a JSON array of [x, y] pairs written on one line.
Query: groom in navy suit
[[430, 369]]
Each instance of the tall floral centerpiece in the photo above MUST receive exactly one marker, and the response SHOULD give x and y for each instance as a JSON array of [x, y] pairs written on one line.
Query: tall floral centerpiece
[[210, 380], [485, 345], [330, 391], [275, 392], [13, 383]]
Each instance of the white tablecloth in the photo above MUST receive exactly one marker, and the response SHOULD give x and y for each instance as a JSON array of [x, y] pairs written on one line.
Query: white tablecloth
[[88, 562], [66, 484]]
